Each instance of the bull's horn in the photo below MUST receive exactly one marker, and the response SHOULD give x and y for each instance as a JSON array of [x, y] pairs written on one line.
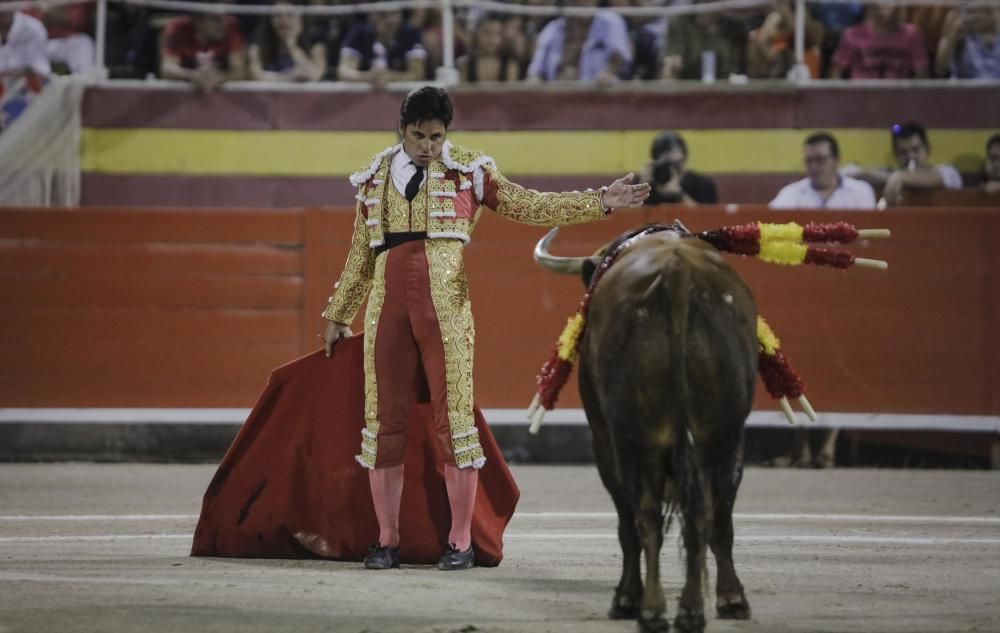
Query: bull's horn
[[565, 265]]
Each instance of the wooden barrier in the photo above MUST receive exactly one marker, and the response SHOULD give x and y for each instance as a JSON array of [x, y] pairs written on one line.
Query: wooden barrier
[[193, 308]]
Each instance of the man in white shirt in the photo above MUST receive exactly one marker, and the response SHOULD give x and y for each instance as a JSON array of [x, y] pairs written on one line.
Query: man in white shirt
[[22, 46], [824, 187], [914, 171]]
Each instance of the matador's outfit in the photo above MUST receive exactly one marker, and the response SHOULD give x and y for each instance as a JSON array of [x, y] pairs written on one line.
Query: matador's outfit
[[406, 256]]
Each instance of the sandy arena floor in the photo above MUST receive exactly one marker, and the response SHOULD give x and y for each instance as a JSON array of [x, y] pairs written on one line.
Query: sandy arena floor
[[87, 547]]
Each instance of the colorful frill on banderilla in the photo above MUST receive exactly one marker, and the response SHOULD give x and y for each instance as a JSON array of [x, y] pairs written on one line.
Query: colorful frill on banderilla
[[788, 244]]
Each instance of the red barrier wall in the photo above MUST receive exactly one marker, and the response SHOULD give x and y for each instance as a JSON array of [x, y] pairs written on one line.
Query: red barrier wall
[[188, 308]]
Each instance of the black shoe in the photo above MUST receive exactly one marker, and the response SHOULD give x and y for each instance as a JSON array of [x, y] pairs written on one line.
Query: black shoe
[[453, 559], [382, 558]]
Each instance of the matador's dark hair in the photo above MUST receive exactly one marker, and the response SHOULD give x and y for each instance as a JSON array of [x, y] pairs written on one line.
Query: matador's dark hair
[[426, 104]]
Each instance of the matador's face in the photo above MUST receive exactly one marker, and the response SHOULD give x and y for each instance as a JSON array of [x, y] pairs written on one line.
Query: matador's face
[[423, 141]]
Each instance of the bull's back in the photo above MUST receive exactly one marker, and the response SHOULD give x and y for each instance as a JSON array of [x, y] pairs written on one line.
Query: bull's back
[[634, 339]]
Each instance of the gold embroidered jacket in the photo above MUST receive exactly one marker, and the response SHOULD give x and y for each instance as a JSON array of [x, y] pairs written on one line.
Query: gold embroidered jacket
[[458, 186]]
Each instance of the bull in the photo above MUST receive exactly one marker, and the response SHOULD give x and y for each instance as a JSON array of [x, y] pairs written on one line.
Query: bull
[[667, 371]]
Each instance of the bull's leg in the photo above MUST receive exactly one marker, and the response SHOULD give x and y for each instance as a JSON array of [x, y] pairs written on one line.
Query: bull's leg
[[628, 594], [731, 601], [690, 616], [652, 617]]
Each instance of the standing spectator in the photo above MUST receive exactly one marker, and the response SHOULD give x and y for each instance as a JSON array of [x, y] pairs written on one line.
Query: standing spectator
[[69, 28], [771, 47], [881, 47], [824, 187], [911, 148], [283, 51], [383, 48], [24, 66], [22, 46], [693, 39], [991, 166], [206, 50], [970, 44], [670, 181], [596, 48], [487, 60]]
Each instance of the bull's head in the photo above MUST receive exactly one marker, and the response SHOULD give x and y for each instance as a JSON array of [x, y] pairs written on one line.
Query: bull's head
[[585, 266]]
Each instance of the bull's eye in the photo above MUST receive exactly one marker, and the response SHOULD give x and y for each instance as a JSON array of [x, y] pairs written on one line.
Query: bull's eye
[[728, 298]]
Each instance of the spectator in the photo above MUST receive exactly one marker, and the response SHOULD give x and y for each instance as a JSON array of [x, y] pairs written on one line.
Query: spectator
[[671, 181], [520, 32], [771, 48], [22, 46], [69, 28], [650, 41], [835, 17], [487, 61], [970, 44], [881, 47], [824, 187], [331, 31], [911, 149], [991, 166], [283, 51], [596, 48], [383, 48], [717, 39], [205, 49], [24, 65]]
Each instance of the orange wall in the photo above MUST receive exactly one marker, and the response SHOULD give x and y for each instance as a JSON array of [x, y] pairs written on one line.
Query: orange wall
[[188, 308]]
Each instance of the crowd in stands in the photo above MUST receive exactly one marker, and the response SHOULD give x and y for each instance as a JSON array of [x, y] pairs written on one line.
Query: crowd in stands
[[843, 40]]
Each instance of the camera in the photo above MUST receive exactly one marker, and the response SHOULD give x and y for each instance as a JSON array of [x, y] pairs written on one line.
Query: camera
[[663, 170]]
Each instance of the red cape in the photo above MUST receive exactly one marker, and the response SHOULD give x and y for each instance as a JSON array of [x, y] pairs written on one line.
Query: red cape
[[289, 487]]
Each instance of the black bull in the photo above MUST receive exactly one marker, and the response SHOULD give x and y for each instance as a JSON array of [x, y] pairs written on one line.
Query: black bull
[[667, 369]]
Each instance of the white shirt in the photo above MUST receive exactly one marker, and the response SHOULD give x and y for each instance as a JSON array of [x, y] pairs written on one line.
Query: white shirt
[[402, 169], [850, 193], [24, 46], [949, 176]]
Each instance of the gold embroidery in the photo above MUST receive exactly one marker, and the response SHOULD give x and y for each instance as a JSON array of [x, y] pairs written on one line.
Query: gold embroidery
[[356, 279], [450, 295], [369, 441], [397, 217], [546, 209]]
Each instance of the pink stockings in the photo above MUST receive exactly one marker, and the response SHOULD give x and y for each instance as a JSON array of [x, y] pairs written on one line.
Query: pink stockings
[[387, 491], [461, 485]]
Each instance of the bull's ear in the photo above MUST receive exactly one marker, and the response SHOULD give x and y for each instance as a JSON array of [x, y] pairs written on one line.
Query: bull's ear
[[587, 272]]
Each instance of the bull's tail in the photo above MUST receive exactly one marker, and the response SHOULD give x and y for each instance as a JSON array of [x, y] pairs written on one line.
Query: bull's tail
[[689, 487]]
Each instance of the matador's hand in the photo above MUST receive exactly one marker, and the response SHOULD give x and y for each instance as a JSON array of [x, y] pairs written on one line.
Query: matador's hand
[[334, 332], [622, 193]]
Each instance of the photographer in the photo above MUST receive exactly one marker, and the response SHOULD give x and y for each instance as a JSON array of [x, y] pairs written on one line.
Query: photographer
[[671, 183]]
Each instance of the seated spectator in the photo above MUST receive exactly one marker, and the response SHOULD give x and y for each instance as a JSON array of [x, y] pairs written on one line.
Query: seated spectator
[[705, 37], [486, 60], [881, 47], [205, 49], [824, 187], [650, 42], [282, 50], [835, 17], [570, 48], [970, 44], [382, 48], [520, 32], [911, 149], [70, 43], [671, 182], [24, 65], [991, 166], [771, 48]]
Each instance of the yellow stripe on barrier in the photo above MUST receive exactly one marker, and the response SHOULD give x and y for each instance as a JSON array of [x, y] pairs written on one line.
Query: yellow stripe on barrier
[[531, 153]]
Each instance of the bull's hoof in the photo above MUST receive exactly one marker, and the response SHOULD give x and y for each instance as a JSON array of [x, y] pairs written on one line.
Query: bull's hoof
[[653, 622], [622, 612], [688, 622], [734, 607]]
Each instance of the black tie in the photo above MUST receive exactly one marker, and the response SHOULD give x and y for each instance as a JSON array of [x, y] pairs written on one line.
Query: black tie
[[413, 186]]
